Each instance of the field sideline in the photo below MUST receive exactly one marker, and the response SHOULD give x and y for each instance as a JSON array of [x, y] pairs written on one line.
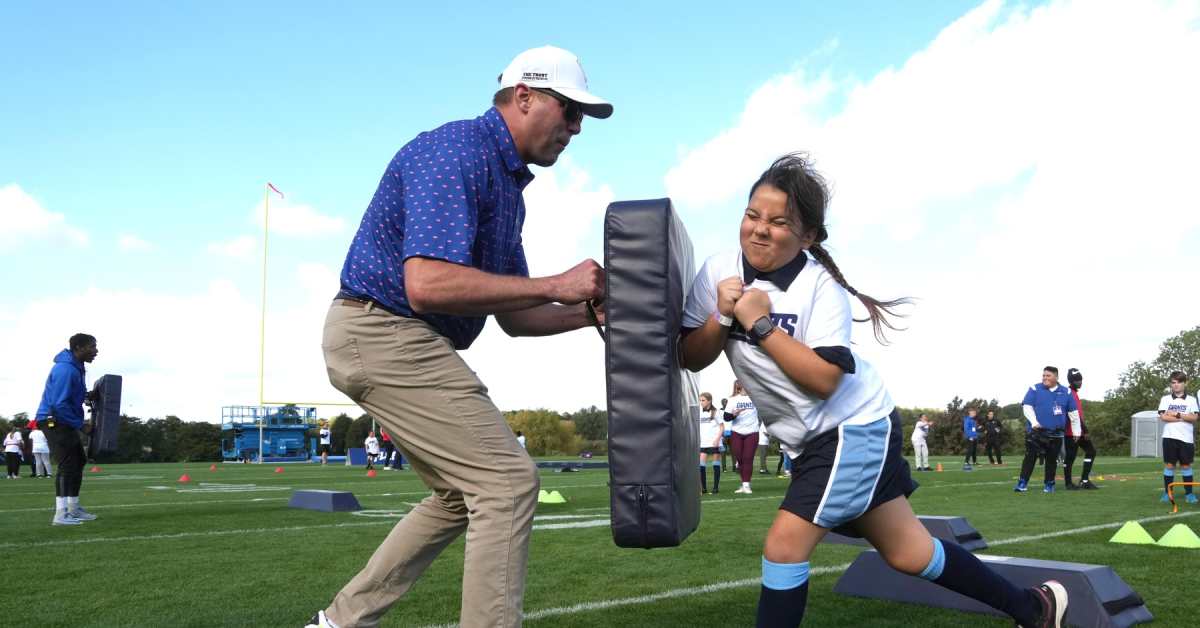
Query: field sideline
[[224, 549]]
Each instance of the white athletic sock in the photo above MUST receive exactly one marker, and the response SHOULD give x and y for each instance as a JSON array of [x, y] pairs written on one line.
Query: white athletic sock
[[60, 505], [745, 485], [72, 503]]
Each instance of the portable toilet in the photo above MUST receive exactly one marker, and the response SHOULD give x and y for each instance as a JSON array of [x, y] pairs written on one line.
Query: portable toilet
[[1145, 435]]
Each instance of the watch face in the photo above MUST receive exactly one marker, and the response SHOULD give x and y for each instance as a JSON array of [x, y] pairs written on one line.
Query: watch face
[[762, 327]]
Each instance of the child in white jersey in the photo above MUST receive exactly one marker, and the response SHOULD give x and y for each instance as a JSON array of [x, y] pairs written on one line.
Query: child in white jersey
[[780, 310], [712, 428], [920, 441], [1178, 411]]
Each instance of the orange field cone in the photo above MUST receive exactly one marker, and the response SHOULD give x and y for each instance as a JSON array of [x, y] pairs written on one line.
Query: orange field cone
[[185, 478], [212, 467], [371, 473], [96, 469], [278, 469], [939, 467]]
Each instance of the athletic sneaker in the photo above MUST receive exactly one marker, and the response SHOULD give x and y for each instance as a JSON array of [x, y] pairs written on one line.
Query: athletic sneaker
[[1088, 485], [967, 467], [320, 621], [745, 490], [763, 472], [64, 519], [1049, 488], [1021, 486], [1191, 498], [82, 515], [1053, 596], [1164, 499]]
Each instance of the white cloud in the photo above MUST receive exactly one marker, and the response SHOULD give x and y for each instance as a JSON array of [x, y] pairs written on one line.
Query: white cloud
[[239, 248], [23, 220], [564, 213], [187, 354], [297, 220], [129, 243], [1026, 176]]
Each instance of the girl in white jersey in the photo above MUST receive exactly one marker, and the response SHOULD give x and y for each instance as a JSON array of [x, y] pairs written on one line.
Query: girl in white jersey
[[712, 428], [780, 310], [744, 440]]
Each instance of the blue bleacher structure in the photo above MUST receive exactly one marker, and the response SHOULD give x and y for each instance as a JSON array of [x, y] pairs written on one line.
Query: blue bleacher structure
[[284, 433]]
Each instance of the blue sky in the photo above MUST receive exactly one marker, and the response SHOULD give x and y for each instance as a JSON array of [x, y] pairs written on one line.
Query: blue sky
[[135, 139]]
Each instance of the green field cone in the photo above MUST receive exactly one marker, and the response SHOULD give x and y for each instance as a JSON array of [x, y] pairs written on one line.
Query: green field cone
[[1180, 536], [1132, 533]]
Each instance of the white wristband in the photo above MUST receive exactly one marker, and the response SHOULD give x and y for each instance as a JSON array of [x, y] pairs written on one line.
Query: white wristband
[[725, 321]]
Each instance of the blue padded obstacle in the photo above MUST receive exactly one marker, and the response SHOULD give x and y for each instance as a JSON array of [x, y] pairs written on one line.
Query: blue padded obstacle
[[324, 501], [955, 529], [1098, 596]]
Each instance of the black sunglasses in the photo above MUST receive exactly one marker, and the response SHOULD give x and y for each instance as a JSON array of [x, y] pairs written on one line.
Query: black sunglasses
[[572, 110]]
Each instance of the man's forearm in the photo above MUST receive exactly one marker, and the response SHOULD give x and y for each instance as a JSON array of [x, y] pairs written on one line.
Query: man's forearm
[[543, 320], [436, 286]]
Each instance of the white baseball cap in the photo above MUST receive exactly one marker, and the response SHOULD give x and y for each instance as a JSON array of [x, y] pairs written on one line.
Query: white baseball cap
[[553, 68]]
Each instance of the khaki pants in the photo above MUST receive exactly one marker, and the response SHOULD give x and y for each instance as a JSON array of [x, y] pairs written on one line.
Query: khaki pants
[[438, 413]]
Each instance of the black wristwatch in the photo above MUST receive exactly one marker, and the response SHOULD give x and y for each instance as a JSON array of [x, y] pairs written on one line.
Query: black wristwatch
[[762, 328]]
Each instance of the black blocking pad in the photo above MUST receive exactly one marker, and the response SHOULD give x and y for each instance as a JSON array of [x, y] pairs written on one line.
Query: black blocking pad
[[1097, 595], [954, 529], [653, 405], [106, 414]]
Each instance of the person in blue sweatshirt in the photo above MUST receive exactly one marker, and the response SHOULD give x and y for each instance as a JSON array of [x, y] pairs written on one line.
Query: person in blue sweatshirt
[[60, 417], [1047, 407], [971, 433]]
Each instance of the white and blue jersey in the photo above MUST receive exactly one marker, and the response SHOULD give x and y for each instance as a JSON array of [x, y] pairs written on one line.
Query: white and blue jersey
[[808, 304], [1051, 406], [849, 446]]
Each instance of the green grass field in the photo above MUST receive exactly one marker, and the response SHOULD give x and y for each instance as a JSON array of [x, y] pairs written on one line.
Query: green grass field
[[225, 550]]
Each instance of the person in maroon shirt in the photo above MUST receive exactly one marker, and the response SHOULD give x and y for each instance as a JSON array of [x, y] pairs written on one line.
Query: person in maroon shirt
[[1084, 442]]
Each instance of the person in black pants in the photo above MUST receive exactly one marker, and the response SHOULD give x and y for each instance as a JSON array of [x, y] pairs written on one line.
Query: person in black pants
[[1084, 442], [994, 433], [60, 417]]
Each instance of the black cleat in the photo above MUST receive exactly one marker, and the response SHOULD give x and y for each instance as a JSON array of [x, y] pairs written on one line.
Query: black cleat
[[1087, 485]]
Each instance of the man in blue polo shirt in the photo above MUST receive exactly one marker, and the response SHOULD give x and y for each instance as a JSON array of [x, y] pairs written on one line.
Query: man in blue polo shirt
[[439, 250], [1047, 407]]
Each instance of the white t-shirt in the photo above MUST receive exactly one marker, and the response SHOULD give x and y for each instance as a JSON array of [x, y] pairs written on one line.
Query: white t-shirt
[[13, 442], [1179, 430], [711, 428], [521, 439], [372, 445], [40, 444], [920, 433], [815, 310], [763, 439], [325, 437], [746, 420]]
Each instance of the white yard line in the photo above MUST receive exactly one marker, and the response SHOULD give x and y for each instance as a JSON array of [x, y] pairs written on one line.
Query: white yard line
[[590, 523]]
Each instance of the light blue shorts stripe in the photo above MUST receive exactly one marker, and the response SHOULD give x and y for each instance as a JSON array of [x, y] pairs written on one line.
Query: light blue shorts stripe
[[862, 450]]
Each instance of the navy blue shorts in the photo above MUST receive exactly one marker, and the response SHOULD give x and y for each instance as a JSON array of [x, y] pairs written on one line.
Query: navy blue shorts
[[846, 472], [1176, 451]]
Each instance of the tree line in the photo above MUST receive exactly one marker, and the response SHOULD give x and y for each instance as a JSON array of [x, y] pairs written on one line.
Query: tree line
[[550, 433]]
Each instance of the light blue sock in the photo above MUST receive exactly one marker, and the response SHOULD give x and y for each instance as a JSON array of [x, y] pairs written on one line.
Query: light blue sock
[[937, 562], [783, 576]]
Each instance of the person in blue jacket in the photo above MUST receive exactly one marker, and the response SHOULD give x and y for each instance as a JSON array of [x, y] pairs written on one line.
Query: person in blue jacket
[[971, 433], [60, 417], [1047, 407]]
